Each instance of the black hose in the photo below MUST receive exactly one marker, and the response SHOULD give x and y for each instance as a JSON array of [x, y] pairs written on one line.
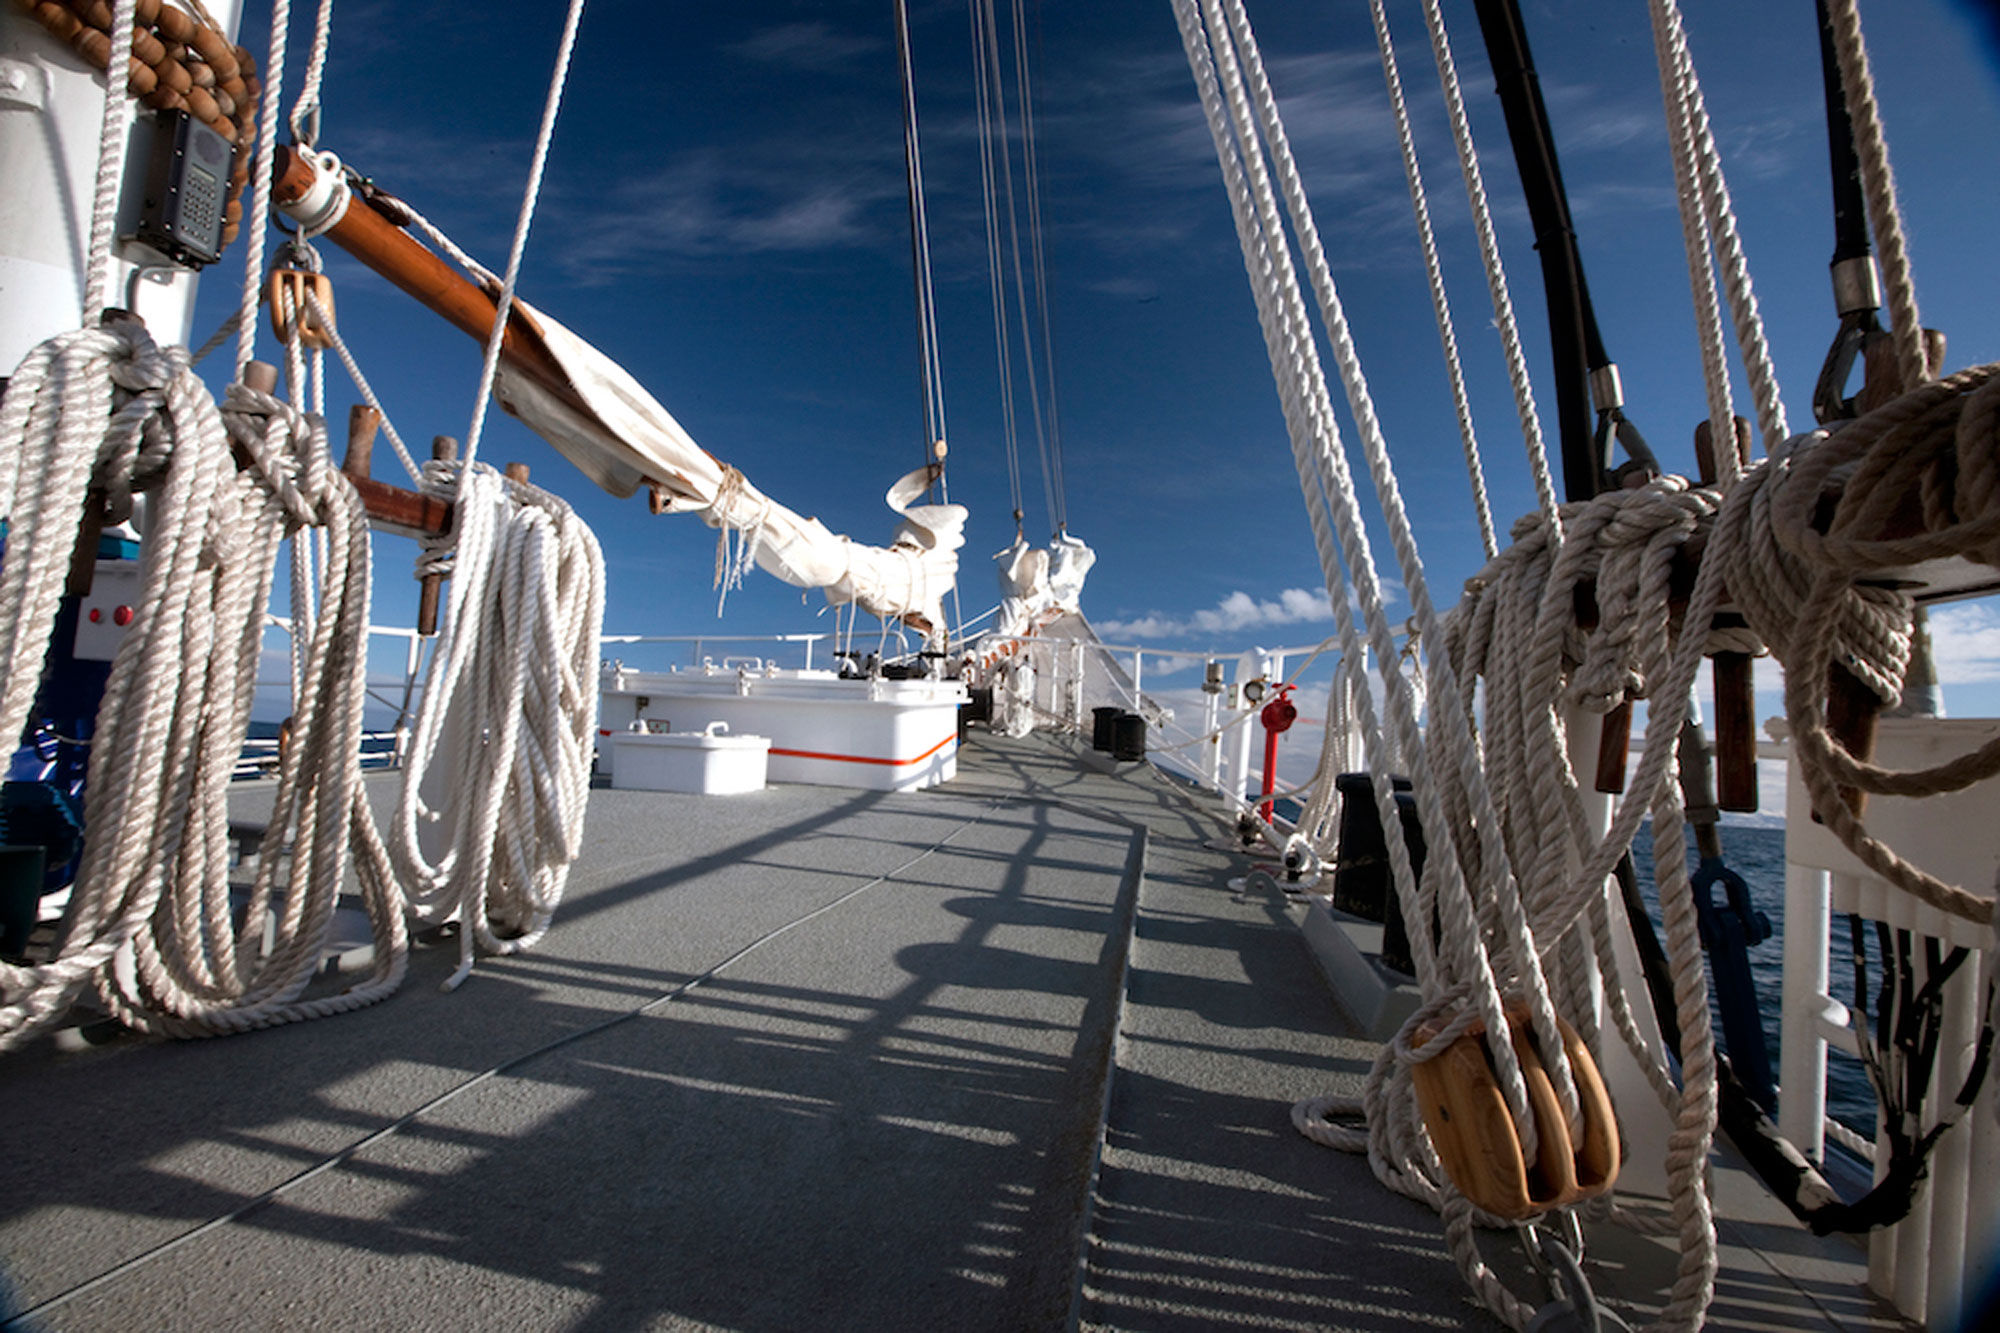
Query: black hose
[[1575, 342]]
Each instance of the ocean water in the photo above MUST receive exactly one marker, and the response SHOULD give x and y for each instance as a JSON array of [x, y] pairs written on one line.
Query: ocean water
[[1758, 855]]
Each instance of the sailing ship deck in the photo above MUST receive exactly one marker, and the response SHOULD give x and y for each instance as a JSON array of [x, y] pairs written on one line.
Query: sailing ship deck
[[1007, 1054]]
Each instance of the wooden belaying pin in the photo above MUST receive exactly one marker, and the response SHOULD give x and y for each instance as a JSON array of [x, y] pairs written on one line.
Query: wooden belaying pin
[[1734, 674], [362, 423], [443, 449], [1614, 738]]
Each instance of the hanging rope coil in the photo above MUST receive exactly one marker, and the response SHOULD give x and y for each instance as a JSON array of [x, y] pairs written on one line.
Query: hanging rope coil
[[1815, 587], [508, 719], [150, 917]]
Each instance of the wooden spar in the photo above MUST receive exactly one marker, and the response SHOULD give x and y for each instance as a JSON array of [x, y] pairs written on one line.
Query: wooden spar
[[391, 252]]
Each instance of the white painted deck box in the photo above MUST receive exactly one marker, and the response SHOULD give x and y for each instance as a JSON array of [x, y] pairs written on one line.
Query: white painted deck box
[[883, 735], [708, 762]]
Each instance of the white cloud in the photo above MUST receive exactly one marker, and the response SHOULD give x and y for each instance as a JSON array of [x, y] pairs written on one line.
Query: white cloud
[[1965, 640], [1235, 613], [809, 46]]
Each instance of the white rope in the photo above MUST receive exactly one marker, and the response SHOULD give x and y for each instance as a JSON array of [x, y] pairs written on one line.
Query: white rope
[[1434, 272], [110, 164], [1706, 211], [502, 743], [529, 195], [1469, 975], [1516, 631], [150, 918], [305, 122], [990, 196], [1496, 271], [1885, 219], [1478, 835], [445, 243], [368, 394], [1004, 248], [260, 187]]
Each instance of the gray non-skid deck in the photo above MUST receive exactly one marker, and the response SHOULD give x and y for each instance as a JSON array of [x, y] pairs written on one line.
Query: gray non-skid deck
[[809, 1058]]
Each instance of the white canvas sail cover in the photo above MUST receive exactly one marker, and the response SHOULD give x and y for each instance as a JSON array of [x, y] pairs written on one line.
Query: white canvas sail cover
[[1037, 585], [628, 439]]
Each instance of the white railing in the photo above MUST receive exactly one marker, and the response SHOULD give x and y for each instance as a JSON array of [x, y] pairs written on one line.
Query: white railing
[[1947, 1251], [1219, 745], [802, 644]]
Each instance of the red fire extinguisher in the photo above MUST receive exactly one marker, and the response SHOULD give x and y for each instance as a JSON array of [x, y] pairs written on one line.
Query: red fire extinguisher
[[1277, 717]]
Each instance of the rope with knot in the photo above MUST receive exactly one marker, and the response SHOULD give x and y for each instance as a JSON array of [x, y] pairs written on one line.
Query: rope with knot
[[150, 919]]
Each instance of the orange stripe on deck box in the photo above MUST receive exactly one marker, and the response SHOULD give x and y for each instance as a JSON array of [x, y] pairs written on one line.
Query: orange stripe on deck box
[[882, 735]]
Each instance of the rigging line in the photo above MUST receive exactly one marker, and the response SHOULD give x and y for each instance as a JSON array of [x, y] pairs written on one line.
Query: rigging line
[[1010, 432], [1682, 133], [305, 111], [1434, 270], [1872, 149], [24, 1319], [111, 153], [920, 243], [255, 219], [1496, 272], [529, 196], [1850, 206], [1012, 218], [1031, 172], [1719, 218]]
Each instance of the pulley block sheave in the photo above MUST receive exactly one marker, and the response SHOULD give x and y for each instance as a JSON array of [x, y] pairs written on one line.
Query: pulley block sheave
[[1476, 1139], [291, 312]]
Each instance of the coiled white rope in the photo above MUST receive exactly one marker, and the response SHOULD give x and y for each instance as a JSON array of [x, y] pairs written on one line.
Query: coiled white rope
[[150, 916], [189, 971], [491, 812], [1486, 942]]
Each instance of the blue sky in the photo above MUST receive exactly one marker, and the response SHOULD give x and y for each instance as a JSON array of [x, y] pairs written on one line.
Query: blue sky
[[724, 214]]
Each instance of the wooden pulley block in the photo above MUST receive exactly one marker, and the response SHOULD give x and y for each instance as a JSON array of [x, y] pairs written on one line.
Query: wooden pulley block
[[287, 292], [1475, 1137]]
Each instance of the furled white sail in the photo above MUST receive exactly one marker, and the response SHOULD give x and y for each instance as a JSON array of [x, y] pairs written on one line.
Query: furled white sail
[[1037, 584], [628, 439]]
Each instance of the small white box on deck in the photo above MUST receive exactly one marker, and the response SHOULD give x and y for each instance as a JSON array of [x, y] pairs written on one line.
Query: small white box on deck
[[709, 762]]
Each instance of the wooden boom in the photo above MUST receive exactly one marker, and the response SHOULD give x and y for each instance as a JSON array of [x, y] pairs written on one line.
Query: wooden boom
[[394, 254]]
